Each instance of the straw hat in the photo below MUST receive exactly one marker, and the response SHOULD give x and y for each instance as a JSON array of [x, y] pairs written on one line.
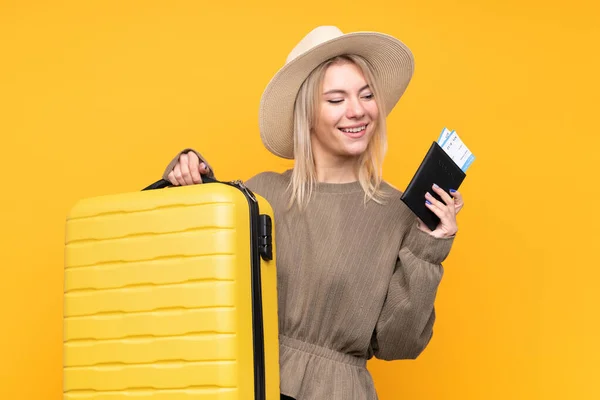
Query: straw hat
[[391, 60]]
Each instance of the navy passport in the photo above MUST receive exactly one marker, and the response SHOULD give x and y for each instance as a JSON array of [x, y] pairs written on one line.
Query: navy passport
[[437, 167]]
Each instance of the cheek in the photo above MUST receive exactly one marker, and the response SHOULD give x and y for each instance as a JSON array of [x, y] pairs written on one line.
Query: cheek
[[373, 110], [329, 118]]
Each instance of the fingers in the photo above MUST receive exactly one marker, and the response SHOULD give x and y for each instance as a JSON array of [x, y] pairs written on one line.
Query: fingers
[[177, 175], [204, 170], [194, 168], [188, 170], [458, 200], [446, 211], [172, 179], [181, 172], [445, 196], [435, 202], [186, 173], [438, 208]]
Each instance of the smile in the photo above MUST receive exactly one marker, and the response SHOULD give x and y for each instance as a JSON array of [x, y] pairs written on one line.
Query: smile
[[354, 130]]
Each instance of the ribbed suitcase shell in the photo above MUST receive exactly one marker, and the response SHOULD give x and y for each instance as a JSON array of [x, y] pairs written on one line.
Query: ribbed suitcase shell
[[157, 300]]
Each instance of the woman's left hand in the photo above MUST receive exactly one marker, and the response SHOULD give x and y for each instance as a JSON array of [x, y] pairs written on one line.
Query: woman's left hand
[[446, 211]]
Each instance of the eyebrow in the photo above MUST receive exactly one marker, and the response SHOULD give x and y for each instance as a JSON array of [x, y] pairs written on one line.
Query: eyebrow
[[343, 91]]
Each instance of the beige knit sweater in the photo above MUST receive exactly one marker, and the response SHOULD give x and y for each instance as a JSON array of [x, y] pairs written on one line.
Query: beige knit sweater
[[355, 280]]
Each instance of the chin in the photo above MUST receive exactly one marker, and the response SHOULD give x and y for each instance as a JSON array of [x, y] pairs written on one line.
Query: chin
[[355, 150], [355, 147]]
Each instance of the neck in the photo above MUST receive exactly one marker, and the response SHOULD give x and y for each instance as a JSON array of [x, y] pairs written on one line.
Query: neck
[[338, 171]]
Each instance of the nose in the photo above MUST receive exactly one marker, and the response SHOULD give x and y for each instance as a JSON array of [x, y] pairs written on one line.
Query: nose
[[355, 109]]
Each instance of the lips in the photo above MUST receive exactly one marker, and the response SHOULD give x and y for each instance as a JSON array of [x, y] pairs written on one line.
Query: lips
[[354, 132]]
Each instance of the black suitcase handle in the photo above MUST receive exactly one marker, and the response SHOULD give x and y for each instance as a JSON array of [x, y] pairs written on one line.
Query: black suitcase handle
[[163, 183]]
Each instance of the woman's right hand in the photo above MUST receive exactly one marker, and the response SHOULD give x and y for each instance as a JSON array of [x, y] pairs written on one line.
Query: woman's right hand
[[188, 170]]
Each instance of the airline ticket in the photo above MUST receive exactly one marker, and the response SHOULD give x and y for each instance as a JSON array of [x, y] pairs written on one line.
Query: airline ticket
[[451, 143]]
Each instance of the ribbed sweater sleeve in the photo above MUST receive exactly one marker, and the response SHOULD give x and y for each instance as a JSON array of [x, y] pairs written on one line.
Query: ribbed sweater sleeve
[[405, 325]]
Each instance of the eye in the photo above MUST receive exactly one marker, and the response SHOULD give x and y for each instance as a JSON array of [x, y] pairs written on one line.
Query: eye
[[369, 96], [335, 101]]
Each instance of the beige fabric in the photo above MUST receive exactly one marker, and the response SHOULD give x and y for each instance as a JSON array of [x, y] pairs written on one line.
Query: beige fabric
[[354, 281]]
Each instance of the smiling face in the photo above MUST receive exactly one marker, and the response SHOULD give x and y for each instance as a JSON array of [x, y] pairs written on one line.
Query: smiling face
[[346, 115]]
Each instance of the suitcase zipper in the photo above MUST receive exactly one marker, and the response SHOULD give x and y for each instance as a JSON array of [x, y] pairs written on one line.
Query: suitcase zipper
[[257, 312], [258, 248]]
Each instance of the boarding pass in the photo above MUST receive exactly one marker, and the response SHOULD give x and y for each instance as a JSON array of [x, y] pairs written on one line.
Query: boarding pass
[[456, 149]]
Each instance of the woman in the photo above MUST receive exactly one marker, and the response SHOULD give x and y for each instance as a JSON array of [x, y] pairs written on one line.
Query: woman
[[357, 271]]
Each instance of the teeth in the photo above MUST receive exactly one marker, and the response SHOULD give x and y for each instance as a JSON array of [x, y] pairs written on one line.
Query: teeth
[[354, 130]]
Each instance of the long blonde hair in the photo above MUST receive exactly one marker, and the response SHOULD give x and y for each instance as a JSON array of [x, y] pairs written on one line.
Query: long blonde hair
[[370, 163]]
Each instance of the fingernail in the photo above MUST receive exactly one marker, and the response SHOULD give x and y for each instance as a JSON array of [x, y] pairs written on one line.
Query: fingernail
[[427, 194], [452, 190], [427, 201], [435, 186]]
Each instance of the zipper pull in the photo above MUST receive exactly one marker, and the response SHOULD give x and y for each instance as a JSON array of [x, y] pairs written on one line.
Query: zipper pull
[[241, 185]]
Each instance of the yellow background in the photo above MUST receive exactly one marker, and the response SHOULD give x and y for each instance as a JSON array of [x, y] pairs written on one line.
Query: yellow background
[[96, 97]]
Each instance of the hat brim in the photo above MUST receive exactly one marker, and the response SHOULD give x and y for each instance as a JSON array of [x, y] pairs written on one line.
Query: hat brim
[[391, 60]]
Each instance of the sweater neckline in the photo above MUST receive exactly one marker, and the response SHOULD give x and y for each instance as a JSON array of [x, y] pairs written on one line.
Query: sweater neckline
[[323, 187], [350, 187]]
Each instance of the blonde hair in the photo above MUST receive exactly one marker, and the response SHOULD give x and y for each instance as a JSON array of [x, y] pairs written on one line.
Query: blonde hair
[[370, 163]]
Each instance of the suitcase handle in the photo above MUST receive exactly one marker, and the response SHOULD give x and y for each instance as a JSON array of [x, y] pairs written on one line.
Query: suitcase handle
[[163, 183]]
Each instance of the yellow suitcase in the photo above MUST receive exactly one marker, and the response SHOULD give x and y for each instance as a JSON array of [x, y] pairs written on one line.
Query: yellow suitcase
[[170, 294]]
